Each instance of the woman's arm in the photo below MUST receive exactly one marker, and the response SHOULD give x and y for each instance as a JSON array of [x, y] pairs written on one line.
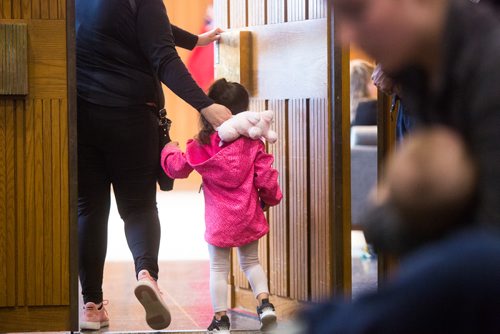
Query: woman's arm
[[157, 42], [266, 178], [184, 39], [189, 41], [174, 162]]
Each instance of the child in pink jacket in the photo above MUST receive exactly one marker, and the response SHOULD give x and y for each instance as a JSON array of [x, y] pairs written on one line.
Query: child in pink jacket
[[238, 179]]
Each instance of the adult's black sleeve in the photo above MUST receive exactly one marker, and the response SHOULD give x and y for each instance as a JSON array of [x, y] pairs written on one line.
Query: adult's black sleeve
[[158, 45], [184, 39]]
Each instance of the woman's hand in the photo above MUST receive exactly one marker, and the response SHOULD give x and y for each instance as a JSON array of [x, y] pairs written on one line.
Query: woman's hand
[[216, 114], [209, 37]]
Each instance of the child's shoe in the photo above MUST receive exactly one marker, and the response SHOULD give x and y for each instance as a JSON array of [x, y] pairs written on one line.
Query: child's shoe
[[149, 295], [220, 326], [94, 317], [267, 316]]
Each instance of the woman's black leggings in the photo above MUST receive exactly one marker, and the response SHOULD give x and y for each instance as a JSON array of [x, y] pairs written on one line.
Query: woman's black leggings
[[119, 147]]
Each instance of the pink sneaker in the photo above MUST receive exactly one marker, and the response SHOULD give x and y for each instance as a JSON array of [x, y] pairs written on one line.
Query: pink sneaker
[[149, 295], [94, 317]]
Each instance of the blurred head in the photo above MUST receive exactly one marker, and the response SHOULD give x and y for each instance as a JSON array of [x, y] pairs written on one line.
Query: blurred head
[[362, 87], [231, 95], [394, 32], [431, 181]]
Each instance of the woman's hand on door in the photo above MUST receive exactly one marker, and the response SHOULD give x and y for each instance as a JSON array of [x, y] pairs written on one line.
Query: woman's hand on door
[[209, 37], [216, 114]]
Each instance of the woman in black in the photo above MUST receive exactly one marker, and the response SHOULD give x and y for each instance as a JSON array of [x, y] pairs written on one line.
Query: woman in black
[[124, 50]]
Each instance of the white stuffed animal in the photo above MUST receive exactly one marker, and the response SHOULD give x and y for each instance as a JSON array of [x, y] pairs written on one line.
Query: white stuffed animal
[[255, 125]]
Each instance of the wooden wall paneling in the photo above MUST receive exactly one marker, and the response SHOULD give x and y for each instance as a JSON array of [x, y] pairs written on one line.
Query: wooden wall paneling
[[56, 201], [317, 9], [45, 9], [257, 12], [276, 11], [11, 202], [61, 6], [53, 9], [14, 56], [47, 71], [26, 9], [68, 216], [5, 10], [297, 10], [47, 203], [3, 204], [38, 280], [298, 200], [238, 14], [320, 230], [16, 10], [36, 10], [30, 222], [20, 204], [221, 13], [278, 216]]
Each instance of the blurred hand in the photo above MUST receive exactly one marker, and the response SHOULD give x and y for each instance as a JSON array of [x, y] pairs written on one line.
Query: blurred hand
[[209, 37], [216, 114], [383, 81]]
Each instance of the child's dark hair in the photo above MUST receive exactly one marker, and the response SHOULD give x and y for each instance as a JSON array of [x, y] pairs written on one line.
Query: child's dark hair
[[231, 95]]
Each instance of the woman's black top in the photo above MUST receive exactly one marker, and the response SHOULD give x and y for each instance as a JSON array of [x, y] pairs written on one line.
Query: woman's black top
[[122, 54]]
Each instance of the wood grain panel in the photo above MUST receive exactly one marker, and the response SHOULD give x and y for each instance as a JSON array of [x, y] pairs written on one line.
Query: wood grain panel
[[38, 280], [317, 9], [10, 174], [3, 204], [29, 195], [65, 203], [296, 10], [14, 56], [320, 230], [26, 9], [47, 71], [238, 14], [276, 11], [21, 203], [257, 12], [221, 13], [299, 200], [278, 216], [56, 190]]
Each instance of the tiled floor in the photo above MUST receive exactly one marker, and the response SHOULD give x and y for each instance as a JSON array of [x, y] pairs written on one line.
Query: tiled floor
[[184, 269]]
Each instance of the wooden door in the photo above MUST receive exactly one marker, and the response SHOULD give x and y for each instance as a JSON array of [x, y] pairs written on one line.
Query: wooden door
[[299, 73], [38, 282]]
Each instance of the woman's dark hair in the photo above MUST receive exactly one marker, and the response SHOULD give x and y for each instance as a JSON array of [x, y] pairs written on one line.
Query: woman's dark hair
[[231, 95]]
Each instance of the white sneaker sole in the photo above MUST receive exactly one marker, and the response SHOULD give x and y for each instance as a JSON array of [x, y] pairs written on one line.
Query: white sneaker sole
[[93, 326], [268, 321], [157, 313]]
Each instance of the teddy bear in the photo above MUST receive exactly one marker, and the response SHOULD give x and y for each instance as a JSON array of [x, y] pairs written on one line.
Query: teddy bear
[[255, 125]]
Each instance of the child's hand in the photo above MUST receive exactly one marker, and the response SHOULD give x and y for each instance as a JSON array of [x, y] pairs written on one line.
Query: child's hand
[[173, 144]]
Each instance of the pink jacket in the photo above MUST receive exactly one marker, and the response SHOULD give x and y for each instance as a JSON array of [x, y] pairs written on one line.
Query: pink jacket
[[236, 177]]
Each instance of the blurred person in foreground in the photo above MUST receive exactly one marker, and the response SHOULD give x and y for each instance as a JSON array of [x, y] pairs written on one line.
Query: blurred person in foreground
[[445, 54], [450, 268]]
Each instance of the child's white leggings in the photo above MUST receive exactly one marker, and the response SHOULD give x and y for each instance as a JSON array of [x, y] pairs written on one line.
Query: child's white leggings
[[219, 271]]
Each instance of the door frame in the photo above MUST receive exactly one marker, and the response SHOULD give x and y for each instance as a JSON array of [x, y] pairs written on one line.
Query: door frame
[[73, 164]]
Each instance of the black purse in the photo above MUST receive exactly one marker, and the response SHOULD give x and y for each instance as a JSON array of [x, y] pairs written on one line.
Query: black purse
[[164, 125]]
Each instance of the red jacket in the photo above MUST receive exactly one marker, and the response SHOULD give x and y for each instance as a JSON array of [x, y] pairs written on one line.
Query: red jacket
[[236, 177]]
